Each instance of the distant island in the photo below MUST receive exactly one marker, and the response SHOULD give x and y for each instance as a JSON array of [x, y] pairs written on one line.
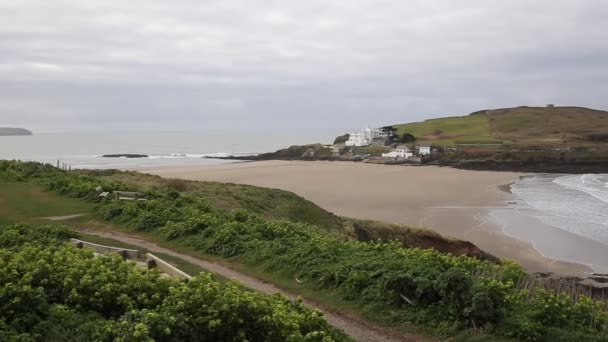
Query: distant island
[[6, 131], [125, 155], [528, 139]]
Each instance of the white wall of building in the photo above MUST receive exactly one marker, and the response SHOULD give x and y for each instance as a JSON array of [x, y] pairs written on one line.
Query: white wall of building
[[365, 137], [400, 152], [424, 150]]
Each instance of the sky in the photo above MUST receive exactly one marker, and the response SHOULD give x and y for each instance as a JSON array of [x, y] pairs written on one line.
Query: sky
[[73, 65]]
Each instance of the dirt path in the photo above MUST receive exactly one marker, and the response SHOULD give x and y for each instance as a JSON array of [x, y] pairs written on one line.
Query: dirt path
[[62, 218], [355, 327]]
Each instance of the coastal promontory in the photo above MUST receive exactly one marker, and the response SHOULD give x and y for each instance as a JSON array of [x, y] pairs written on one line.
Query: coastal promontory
[[5, 131]]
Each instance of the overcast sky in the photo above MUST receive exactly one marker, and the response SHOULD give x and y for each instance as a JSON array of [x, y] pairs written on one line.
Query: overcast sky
[[184, 65]]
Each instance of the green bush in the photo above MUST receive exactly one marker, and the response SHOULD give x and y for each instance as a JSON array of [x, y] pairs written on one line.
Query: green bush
[[52, 291]]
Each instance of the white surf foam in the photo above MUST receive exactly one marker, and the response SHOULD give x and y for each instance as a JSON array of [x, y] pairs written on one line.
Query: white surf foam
[[575, 203]]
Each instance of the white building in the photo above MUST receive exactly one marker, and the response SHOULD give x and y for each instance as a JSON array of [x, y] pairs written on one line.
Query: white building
[[357, 139], [424, 150], [366, 137], [401, 152]]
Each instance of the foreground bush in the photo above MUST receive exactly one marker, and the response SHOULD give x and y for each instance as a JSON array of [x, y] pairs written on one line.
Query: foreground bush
[[51, 291]]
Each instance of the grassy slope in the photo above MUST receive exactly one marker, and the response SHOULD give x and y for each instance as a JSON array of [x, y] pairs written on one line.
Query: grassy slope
[[547, 125], [23, 202], [27, 203], [279, 204], [522, 125], [270, 203], [55, 205], [447, 131]]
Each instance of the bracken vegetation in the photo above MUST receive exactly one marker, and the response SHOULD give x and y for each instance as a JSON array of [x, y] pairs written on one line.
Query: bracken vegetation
[[422, 286], [52, 291]]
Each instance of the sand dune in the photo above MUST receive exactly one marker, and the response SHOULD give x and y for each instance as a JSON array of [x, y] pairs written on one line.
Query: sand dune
[[450, 201]]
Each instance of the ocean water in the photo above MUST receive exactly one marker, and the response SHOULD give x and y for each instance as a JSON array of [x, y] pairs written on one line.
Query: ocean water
[[575, 203], [84, 150], [565, 217]]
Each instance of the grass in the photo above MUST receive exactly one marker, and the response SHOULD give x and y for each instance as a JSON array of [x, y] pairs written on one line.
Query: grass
[[28, 203], [270, 203], [543, 126], [447, 131], [54, 205], [24, 202]]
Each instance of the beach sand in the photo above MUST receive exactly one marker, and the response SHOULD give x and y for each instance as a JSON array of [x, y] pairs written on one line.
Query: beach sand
[[452, 202]]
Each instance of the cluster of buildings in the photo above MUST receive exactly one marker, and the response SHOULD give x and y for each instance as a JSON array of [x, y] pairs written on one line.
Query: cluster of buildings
[[404, 152], [378, 136], [367, 137]]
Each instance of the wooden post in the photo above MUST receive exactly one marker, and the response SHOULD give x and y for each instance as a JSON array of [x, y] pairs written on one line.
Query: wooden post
[[150, 263], [123, 254]]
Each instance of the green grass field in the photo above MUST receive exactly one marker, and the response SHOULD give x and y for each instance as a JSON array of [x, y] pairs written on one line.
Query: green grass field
[[447, 131], [544, 126], [24, 202], [269, 203]]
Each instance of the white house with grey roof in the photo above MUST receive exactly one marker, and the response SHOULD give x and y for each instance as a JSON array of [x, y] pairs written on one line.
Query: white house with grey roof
[[400, 152]]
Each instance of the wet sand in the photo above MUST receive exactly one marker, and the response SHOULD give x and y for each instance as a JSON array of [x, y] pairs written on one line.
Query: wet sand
[[453, 202]]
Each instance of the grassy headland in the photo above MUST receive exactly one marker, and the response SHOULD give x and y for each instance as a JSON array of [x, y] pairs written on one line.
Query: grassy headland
[[528, 139], [519, 126]]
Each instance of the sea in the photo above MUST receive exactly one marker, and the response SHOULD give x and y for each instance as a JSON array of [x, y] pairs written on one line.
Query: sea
[[85, 150], [565, 217]]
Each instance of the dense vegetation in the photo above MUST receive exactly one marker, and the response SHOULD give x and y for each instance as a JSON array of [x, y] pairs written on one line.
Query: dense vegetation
[[51, 291], [450, 293], [269, 203]]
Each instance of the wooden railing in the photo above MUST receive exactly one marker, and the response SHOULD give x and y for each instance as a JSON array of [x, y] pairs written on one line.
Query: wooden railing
[[151, 261], [101, 249], [154, 261]]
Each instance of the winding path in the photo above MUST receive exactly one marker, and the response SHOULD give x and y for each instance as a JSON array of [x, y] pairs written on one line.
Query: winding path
[[355, 327]]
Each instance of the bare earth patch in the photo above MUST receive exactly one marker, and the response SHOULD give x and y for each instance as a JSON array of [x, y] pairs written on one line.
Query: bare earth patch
[[62, 218]]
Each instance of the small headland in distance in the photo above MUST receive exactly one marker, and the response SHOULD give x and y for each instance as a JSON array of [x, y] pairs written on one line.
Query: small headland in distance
[[548, 139], [14, 131], [125, 155]]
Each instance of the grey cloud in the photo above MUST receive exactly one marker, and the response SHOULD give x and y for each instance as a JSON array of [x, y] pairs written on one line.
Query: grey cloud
[[184, 64]]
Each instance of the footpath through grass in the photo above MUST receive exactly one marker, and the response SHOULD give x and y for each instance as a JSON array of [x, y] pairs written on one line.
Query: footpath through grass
[[29, 203]]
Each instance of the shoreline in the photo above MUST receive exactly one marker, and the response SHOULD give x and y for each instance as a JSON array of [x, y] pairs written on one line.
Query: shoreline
[[453, 202], [534, 244]]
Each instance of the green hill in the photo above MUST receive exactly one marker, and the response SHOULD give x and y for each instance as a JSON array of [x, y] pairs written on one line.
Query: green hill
[[544, 126]]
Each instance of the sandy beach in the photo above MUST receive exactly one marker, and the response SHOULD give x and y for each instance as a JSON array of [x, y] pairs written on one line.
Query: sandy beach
[[452, 202]]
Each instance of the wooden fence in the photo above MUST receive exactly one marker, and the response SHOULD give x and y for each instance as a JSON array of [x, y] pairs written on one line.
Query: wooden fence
[[151, 260]]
